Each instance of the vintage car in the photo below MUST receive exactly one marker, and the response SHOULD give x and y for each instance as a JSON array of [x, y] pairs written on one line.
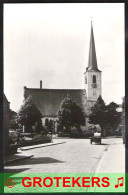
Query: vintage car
[[96, 138]]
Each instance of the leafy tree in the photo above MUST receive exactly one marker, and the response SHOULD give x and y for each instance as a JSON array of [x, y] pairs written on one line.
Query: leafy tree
[[112, 106], [112, 115], [70, 114], [29, 115], [12, 122], [98, 114], [104, 115], [123, 121], [50, 125]]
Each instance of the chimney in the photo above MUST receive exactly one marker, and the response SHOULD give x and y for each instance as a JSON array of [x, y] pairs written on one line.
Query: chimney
[[41, 84]]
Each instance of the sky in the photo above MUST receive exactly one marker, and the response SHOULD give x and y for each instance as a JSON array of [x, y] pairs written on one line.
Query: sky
[[50, 42]]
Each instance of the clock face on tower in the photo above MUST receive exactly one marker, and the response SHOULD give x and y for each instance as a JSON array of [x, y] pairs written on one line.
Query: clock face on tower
[[86, 80], [94, 85]]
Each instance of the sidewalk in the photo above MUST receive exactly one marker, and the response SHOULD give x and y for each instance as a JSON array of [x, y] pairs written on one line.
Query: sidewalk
[[113, 160], [42, 145]]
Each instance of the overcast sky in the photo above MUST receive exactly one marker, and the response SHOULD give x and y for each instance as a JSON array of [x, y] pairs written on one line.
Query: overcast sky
[[50, 42]]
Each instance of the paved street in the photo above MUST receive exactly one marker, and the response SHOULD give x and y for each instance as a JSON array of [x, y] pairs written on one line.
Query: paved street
[[73, 156]]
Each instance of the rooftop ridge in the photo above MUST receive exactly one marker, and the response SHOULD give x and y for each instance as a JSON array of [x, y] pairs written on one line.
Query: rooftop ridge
[[52, 89]]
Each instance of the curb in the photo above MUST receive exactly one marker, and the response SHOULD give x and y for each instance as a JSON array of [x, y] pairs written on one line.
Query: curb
[[37, 146], [101, 160], [116, 166], [97, 168], [17, 159]]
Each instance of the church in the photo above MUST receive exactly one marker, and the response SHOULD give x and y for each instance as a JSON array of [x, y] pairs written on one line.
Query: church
[[48, 100]]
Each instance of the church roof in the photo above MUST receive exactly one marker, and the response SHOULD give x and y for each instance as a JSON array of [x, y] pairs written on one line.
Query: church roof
[[48, 100], [5, 100], [92, 61]]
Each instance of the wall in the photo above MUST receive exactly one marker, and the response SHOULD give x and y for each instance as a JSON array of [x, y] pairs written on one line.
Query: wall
[[6, 117]]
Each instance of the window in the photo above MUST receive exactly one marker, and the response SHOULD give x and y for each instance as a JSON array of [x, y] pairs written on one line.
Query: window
[[86, 80], [94, 79], [94, 93]]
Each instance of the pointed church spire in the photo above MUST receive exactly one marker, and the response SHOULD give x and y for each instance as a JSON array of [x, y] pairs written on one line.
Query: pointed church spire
[[92, 61]]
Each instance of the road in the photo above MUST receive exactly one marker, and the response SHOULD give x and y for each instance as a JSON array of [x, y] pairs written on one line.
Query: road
[[74, 156]]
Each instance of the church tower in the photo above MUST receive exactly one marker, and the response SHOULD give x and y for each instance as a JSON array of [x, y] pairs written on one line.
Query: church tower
[[92, 74]]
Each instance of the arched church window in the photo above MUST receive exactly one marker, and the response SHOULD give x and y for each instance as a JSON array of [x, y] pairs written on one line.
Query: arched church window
[[94, 79], [86, 80]]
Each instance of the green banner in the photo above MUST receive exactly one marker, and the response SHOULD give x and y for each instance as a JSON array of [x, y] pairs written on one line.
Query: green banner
[[62, 182]]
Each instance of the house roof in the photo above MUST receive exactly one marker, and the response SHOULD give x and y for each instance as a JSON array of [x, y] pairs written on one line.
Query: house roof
[[48, 100], [5, 100]]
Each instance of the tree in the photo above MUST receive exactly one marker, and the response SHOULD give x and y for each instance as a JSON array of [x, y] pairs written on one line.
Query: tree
[[112, 106], [98, 114], [104, 115], [123, 121], [112, 115], [12, 122], [29, 115], [70, 114]]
